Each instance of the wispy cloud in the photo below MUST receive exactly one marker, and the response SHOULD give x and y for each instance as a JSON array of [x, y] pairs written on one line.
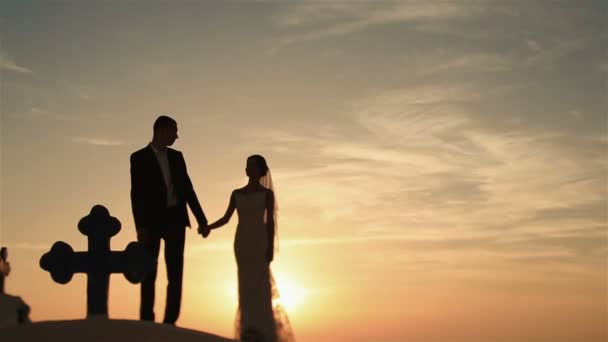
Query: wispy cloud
[[364, 13], [562, 48], [542, 44], [344, 17], [29, 246], [41, 113], [7, 63], [422, 167], [97, 141], [442, 62], [460, 251], [83, 93]]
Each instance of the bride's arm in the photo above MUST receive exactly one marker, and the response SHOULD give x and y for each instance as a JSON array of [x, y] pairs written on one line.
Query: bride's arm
[[227, 215]]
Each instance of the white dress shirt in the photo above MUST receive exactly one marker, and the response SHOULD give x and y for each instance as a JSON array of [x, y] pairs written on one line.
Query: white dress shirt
[[163, 162]]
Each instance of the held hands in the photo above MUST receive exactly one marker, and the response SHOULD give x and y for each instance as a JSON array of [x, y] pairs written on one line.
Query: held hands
[[204, 230]]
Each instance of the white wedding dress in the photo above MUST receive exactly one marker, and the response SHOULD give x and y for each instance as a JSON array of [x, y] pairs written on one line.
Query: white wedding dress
[[261, 316]]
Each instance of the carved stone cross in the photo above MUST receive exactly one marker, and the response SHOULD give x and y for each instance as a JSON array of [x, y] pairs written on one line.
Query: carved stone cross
[[99, 262]]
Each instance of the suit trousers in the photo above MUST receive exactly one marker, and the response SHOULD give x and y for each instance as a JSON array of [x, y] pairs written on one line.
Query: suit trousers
[[174, 236]]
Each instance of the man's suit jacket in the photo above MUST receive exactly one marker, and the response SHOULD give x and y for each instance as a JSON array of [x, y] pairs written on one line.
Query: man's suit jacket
[[149, 193]]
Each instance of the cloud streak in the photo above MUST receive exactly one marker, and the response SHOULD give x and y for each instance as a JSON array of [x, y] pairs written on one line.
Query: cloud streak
[[424, 168], [7, 63], [343, 18], [29, 246], [97, 141]]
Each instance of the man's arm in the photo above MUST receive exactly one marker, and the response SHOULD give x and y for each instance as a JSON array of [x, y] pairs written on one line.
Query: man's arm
[[136, 192], [191, 197]]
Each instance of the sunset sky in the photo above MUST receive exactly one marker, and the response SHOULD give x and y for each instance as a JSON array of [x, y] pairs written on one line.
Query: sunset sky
[[440, 167]]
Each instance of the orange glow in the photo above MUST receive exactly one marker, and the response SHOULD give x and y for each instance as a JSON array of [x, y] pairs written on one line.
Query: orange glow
[[292, 296]]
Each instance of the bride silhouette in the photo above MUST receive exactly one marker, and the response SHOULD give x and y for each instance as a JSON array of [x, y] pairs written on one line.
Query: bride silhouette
[[260, 316]]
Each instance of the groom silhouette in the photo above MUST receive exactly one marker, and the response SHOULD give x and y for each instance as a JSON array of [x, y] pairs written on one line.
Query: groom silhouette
[[160, 191]]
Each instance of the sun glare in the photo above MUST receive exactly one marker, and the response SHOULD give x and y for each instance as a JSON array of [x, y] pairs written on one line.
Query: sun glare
[[292, 296]]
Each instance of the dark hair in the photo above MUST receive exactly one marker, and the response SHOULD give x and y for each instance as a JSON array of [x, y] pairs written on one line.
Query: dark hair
[[261, 162], [163, 121], [3, 252]]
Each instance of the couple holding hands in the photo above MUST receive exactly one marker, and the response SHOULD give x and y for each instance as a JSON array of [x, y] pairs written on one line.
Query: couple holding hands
[[160, 191]]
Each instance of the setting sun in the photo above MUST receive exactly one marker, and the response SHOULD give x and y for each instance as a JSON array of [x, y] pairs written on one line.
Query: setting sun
[[438, 169], [292, 296]]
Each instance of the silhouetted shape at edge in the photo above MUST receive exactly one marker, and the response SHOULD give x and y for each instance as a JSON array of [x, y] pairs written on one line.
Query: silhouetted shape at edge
[[22, 309], [4, 267]]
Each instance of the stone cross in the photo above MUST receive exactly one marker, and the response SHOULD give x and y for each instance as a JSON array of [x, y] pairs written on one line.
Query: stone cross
[[99, 262]]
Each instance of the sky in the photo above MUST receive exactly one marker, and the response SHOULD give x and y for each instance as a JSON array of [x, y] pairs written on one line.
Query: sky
[[440, 167]]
